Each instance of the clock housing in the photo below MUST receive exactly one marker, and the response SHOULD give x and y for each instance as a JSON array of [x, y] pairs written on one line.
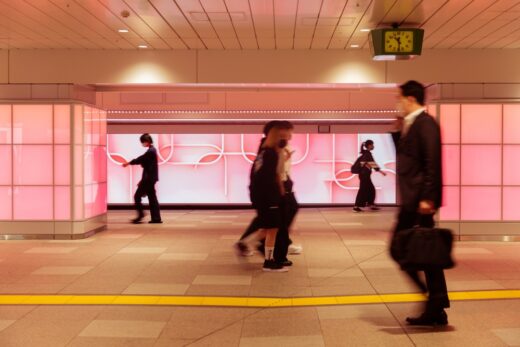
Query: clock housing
[[396, 43]]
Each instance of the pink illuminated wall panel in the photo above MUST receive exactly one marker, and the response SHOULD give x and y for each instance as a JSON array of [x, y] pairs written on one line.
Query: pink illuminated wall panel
[[40, 160], [450, 209], [214, 168], [481, 123], [6, 202], [32, 124], [512, 165], [6, 170], [451, 164], [62, 203], [511, 207], [450, 123], [481, 203], [33, 203], [62, 164], [481, 165], [95, 162], [512, 124], [62, 124], [5, 124], [33, 164]]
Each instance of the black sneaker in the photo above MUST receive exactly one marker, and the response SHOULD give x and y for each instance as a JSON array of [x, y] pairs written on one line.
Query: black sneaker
[[272, 266], [155, 222], [287, 263], [357, 209], [375, 208]]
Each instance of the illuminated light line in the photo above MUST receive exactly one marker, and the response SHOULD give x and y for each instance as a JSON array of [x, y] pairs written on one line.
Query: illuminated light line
[[244, 120], [247, 111], [232, 301]]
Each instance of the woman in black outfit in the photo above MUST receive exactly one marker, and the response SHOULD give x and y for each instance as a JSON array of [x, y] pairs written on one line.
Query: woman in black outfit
[[366, 195]]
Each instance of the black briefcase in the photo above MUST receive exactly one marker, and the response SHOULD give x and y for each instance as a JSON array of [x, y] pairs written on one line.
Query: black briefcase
[[423, 248]]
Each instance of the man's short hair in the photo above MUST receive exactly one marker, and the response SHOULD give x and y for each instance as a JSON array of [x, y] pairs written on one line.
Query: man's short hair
[[146, 138], [415, 89], [269, 125]]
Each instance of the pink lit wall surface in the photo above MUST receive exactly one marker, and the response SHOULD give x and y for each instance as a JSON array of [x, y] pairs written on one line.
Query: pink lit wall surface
[[213, 168], [35, 146], [481, 148]]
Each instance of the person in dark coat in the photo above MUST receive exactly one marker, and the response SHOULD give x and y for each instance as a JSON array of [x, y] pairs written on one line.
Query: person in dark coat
[[418, 148], [146, 187], [366, 195]]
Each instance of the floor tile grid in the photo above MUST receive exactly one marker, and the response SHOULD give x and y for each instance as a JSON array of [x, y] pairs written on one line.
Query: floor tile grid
[[396, 319]]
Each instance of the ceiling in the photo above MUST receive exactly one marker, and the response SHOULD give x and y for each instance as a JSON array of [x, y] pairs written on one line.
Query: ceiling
[[252, 24]]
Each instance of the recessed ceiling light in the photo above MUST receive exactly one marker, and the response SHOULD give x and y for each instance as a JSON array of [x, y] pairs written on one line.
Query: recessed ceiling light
[[354, 46], [365, 30], [123, 30], [142, 46]]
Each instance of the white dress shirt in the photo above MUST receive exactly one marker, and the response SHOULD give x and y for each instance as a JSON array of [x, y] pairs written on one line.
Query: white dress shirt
[[410, 118]]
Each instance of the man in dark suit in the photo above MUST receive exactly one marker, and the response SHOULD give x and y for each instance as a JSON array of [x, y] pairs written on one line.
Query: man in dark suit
[[418, 146], [146, 186]]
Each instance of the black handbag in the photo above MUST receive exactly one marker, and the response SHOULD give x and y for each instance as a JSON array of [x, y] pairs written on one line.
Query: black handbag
[[423, 249]]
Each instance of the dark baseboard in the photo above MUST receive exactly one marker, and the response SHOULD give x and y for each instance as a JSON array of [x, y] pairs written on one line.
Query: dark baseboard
[[227, 206]]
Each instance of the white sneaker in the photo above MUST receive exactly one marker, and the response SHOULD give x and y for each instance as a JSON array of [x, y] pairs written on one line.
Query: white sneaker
[[295, 249]]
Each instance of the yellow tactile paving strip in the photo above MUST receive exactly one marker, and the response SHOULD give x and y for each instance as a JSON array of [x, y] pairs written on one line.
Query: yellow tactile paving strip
[[225, 301]]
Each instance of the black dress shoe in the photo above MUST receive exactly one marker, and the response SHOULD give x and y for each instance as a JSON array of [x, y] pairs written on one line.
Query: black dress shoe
[[429, 319], [137, 220], [155, 222]]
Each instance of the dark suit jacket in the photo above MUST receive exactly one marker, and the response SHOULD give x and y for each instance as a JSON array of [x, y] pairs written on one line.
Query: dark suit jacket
[[419, 166], [148, 161]]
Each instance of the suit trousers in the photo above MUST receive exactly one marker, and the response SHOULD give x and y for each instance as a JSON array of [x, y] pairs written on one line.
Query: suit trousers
[[147, 189], [435, 284]]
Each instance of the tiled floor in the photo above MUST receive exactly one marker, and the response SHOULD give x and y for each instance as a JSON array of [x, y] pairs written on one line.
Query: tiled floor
[[191, 254]]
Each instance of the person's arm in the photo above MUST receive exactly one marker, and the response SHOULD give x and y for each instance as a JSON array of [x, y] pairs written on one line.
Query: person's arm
[[430, 142], [138, 161], [374, 165]]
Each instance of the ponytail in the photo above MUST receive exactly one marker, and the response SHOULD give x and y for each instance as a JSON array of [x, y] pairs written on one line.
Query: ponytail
[[362, 149]]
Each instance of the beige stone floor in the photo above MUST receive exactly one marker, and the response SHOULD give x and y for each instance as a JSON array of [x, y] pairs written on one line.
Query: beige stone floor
[[191, 254]]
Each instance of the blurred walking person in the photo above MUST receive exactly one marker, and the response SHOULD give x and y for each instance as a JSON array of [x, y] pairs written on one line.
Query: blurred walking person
[[146, 186], [364, 165]]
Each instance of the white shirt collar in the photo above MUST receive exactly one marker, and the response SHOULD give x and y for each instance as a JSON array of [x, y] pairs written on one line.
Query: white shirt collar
[[411, 116]]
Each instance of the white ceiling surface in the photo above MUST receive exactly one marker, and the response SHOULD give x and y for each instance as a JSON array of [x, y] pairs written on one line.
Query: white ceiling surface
[[252, 24]]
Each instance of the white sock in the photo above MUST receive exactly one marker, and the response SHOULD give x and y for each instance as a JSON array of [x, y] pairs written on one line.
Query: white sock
[[269, 251]]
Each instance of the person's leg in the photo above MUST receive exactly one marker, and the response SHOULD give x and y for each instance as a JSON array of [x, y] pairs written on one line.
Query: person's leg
[[407, 220], [139, 193], [282, 236], [435, 281], [292, 212], [253, 226], [371, 193], [360, 194], [155, 210]]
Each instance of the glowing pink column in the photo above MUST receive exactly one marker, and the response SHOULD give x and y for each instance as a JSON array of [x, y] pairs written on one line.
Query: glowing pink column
[[44, 148]]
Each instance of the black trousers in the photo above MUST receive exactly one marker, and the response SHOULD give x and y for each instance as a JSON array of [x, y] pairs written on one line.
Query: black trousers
[[367, 192], [435, 284], [290, 208], [147, 189]]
